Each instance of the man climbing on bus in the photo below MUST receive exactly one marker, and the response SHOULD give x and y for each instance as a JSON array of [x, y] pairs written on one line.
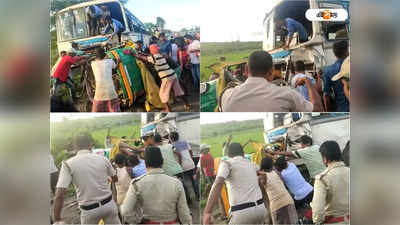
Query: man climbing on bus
[[116, 26], [292, 26], [94, 13]]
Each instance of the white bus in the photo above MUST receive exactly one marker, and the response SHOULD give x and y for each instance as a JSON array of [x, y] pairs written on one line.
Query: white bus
[[317, 52], [186, 124], [321, 127], [72, 25]]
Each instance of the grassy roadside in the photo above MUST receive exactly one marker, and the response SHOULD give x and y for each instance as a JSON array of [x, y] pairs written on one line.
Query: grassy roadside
[[241, 137], [232, 51]]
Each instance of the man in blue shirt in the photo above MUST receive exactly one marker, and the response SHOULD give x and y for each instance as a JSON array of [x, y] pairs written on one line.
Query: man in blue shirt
[[116, 26], [292, 26], [335, 88], [165, 45], [94, 14]]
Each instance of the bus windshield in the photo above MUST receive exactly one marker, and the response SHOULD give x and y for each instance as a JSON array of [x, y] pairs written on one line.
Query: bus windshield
[[72, 25]]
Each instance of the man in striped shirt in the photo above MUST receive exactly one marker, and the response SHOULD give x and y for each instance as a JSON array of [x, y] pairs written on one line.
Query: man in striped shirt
[[169, 80]]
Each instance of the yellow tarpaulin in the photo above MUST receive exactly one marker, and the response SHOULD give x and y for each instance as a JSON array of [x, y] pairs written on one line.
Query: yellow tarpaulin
[[151, 88], [224, 193], [258, 156], [115, 149]]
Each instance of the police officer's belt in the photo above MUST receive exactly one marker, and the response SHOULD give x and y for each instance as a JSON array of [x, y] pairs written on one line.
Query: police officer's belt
[[96, 205], [246, 205]]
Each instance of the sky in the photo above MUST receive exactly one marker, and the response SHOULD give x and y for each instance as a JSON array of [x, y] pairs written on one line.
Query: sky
[[232, 20], [207, 118], [178, 14]]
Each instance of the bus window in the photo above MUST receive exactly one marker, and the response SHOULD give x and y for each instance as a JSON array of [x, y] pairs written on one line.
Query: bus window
[[72, 25], [335, 31], [295, 10]]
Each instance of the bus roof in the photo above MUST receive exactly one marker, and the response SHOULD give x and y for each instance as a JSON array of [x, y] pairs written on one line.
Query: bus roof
[[83, 4]]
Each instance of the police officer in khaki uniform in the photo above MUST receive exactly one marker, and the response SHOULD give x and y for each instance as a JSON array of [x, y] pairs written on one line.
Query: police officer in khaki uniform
[[161, 197], [330, 203], [259, 94], [244, 192], [90, 174]]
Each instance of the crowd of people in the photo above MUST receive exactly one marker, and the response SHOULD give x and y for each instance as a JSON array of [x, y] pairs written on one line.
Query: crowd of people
[[276, 190], [175, 61], [135, 185]]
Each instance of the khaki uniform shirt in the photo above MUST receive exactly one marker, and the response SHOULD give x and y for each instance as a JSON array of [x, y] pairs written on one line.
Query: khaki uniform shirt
[[331, 193], [89, 173], [259, 95], [278, 196], [161, 197], [241, 180]]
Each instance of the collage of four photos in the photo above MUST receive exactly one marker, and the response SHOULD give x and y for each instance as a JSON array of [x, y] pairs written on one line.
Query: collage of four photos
[[161, 115]]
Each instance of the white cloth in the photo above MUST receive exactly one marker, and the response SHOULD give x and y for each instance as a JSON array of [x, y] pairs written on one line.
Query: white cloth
[[196, 152], [122, 186], [194, 57], [90, 173], [295, 182], [53, 168], [259, 95], [102, 70], [183, 148], [241, 180], [174, 53], [303, 88]]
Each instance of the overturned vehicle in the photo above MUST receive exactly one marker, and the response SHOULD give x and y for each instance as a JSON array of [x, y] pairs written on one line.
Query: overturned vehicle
[[135, 81], [316, 52]]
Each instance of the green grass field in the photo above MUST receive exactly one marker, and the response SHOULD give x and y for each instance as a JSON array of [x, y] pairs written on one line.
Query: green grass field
[[125, 130], [232, 51], [62, 133], [241, 137]]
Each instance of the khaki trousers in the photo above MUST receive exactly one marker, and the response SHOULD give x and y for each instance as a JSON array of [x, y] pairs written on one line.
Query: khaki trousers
[[252, 215], [108, 213]]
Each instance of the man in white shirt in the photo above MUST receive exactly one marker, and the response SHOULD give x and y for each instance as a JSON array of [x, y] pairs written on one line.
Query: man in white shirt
[[105, 97], [300, 69], [174, 48], [90, 174], [53, 175], [244, 192], [194, 54], [182, 148], [258, 94]]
